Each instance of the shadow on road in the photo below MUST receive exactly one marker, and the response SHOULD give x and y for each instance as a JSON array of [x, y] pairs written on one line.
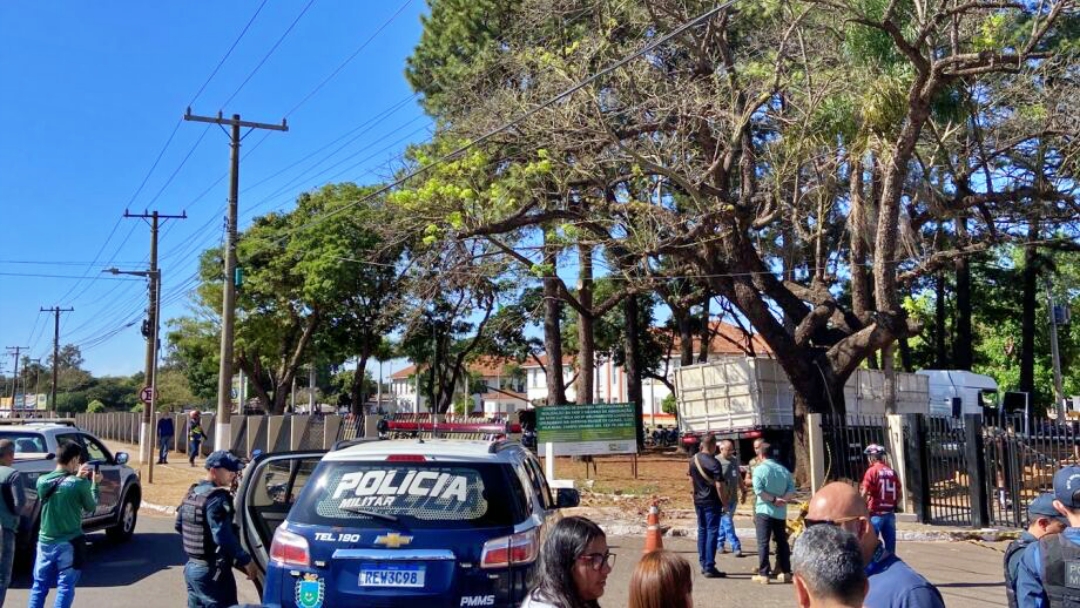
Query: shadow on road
[[120, 564]]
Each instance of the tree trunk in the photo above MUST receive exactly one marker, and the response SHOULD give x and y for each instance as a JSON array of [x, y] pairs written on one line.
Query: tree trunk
[[941, 353], [962, 346], [552, 336], [705, 329], [1030, 308], [632, 366], [813, 396], [686, 336], [356, 391], [586, 327]]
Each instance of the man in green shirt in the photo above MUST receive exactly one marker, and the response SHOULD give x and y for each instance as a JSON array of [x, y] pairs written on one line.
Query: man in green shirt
[[64, 494], [12, 498], [773, 488]]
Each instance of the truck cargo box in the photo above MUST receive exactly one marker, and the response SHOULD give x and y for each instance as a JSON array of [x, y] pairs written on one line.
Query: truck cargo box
[[738, 394]]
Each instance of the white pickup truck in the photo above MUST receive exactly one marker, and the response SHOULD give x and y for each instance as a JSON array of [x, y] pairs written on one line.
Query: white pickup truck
[[37, 443]]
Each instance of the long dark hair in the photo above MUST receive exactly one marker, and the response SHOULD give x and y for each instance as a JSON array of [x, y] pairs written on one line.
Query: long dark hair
[[564, 544]]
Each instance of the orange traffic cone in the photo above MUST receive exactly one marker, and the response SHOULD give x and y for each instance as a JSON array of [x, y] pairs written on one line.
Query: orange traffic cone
[[654, 540]]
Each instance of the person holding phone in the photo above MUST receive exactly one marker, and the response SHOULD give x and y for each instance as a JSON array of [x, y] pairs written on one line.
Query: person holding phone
[[64, 494]]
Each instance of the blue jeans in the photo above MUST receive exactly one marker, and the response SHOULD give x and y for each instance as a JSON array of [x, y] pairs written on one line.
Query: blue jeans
[[164, 444], [727, 528], [708, 534], [54, 566], [193, 449], [209, 585], [7, 558], [885, 526]]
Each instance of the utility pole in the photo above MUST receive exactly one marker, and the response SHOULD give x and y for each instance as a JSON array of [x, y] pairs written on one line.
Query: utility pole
[[1059, 393], [56, 310], [223, 430], [14, 352], [150, 330]]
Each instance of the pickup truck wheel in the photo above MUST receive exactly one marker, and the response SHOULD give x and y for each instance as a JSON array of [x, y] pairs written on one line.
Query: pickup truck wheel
[[125, 527]]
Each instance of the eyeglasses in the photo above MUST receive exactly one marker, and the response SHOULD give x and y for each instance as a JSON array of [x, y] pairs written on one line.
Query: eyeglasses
[[841, 522], [599, 560]]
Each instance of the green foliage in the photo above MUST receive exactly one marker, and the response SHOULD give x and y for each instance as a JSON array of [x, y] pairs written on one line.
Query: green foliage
[[95, 407], [668, 405]]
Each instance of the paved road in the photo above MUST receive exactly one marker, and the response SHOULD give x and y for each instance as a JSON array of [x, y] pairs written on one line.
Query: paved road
[[967, 574], [148, 571]]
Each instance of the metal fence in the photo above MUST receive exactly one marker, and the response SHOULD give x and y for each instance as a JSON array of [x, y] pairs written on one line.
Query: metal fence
[[845, 439], [947, 471]]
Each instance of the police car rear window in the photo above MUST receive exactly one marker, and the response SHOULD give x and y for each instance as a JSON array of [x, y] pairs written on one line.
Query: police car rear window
[[417, 494]]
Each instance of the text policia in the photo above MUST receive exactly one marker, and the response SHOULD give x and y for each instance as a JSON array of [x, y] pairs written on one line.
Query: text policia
[[381, 488]]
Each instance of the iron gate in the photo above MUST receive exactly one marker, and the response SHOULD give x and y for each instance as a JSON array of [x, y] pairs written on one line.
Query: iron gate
[[845, 439], [948, 474]]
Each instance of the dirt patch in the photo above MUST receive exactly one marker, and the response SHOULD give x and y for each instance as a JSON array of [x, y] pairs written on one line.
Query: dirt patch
[[171, 481]]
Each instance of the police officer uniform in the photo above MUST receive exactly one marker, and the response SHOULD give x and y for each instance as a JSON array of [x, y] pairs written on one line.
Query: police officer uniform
[[1049, 574], [1040, 508], [205, 521]]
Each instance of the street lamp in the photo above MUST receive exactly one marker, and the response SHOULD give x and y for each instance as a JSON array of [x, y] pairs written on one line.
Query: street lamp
[[147, 432]]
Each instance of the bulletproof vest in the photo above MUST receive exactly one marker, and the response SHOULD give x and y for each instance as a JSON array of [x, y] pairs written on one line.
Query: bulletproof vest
[[1060, 571], [1017, 546], [194, 525]]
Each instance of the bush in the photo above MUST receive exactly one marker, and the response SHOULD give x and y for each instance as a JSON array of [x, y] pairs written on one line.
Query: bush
[[95, 407], [668, 405], [137, 408]]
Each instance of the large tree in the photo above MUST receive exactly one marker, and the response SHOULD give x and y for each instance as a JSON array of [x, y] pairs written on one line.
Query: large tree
[[807, 136]]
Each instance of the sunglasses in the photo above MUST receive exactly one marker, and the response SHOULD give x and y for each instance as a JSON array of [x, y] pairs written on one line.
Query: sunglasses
[[599, 560], [841, 522]]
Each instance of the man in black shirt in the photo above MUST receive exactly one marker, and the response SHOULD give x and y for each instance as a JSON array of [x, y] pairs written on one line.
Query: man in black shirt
[[708, 481]]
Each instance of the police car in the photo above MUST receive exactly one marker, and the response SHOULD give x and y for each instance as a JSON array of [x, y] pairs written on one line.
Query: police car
[[404, 522]]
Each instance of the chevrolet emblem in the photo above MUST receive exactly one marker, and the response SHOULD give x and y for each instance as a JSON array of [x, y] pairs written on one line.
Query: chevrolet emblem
[[393, 540]]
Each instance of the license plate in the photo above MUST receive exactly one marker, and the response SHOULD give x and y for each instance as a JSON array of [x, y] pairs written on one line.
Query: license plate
[[392, 576]]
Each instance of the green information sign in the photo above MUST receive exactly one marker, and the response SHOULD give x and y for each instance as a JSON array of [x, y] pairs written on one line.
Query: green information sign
[[601, 428]]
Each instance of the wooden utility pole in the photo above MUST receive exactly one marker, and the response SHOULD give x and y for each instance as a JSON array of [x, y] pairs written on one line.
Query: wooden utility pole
[[150, 330], [14, 352], [56, 310], [223, 429]]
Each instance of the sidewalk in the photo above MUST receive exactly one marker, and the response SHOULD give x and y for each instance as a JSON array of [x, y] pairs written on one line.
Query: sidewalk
[[171, 481]]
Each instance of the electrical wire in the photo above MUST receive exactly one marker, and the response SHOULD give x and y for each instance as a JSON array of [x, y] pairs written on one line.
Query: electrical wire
[[268, 53]]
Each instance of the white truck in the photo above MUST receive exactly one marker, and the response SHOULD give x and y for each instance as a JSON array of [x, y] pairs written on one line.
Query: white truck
[[954, 393], [743, 398]]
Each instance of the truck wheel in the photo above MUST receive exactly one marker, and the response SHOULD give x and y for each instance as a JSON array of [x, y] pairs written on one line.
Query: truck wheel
[[125, 526]]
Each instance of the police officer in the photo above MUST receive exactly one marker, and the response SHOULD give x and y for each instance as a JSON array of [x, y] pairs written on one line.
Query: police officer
[[205, 520], [1043, 519], [1049, 572]]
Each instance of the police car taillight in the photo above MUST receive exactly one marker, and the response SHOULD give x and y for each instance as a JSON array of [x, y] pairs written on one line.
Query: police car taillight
[[406, 458], [510, 550], [290, 549]]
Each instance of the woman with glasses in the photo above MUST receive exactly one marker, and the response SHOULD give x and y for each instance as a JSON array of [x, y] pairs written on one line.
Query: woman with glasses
[[574, 566], [662, 580]]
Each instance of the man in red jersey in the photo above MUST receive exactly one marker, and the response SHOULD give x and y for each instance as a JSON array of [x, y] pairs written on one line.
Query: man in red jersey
[[881, 490]]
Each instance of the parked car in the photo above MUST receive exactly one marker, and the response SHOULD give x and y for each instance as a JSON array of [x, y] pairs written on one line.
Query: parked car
[[398, 522], [37, 442]]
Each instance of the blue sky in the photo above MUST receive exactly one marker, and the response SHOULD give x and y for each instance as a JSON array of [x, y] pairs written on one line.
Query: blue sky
[[92, 91]]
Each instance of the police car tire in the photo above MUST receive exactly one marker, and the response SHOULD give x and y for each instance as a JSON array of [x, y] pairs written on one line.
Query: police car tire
[[125, 526]]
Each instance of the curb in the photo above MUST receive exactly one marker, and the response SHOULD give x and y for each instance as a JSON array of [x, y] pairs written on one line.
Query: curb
[[159, 508], [616, 528]]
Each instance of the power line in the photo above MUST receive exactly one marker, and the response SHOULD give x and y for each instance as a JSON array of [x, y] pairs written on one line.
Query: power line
[[76, 277], [268, 54], [348, 59], [519, 119], [226, 56]]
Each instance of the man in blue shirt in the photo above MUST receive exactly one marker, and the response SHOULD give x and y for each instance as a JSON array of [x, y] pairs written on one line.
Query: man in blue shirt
[[1043, 519], [1049, 573], [165, 430], [893, 584], [773, 487]]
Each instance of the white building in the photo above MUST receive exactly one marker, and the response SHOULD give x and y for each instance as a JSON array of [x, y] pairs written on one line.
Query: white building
[[610, 381], [505, 392]]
